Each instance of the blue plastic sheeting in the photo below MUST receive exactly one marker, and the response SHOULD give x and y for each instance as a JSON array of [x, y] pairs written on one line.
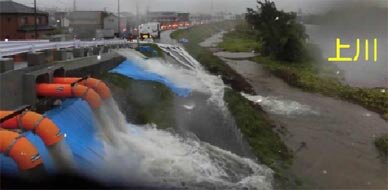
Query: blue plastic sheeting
[[75, 119], [131, 70], [145, 49]]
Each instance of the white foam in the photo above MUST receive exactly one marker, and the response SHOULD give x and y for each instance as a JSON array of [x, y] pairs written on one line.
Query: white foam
[[145, 155], [280, 106], [189, 74], [152, 156]]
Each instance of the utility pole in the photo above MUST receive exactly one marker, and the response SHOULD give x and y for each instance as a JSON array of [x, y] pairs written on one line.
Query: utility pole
[[118, 16], [36, 22], [74, 5], [138, 23], [212, 7]]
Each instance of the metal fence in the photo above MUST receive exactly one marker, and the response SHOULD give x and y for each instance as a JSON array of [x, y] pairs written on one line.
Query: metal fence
[[8, 48]]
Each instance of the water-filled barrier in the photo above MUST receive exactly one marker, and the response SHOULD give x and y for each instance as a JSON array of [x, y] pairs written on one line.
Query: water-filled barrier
[[139, 154], [130, 69], [75, 120]]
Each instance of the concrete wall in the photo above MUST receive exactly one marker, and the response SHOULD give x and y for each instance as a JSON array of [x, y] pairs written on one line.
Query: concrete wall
[[17, 87]]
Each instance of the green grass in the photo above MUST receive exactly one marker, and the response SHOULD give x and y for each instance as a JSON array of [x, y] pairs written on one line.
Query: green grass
[[266, 144], [313, 77], [212, 63], [147, 102], [258, 130], [381, 144], [242, 39], [307, 76], [254, 124]]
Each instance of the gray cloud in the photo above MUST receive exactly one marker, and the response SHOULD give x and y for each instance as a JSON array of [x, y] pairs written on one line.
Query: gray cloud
[[194, 6]]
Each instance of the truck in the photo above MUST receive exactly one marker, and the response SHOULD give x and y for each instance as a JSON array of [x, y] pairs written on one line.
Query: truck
[[149, 30], [105, 33]]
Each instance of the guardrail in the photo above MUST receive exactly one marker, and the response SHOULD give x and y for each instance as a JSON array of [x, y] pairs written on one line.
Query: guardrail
[[8, 48]]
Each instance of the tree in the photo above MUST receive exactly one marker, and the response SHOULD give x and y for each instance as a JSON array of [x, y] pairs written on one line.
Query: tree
[[280, 33]]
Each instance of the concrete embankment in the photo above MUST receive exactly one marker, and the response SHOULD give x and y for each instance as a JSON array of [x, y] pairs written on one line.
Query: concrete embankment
[[17, 87]]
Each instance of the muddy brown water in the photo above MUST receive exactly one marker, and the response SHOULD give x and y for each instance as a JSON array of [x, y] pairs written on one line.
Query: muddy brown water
[[333, 148], [333, 144]]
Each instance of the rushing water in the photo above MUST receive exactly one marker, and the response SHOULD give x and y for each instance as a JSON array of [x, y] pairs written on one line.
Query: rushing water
[[203, 112], [144, 155], [62, 157], [332, 139], [105, 147], [276, 105], [156, 157], [192, 77]]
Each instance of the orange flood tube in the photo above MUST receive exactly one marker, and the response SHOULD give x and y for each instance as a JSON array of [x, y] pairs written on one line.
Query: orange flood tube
[[68, 90], [99, 86], [20, 149], [38, 124]]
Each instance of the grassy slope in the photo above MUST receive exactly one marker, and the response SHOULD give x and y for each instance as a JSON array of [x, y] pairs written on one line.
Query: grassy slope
[[254, 124], [212, 63], [312, 77], [258, 130], [306, 77], [240, 40], [143, 101], [381, 144], [322, 79]]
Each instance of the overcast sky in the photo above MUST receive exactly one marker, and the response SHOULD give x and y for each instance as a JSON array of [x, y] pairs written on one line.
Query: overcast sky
[[193, 6]]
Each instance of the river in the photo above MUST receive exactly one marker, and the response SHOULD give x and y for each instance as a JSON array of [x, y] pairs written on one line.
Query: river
[[332, 139], [360, 73]]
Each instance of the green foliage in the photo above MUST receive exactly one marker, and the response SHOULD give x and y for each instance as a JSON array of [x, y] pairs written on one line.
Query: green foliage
[[258, 130], [146, 102], [281, 35], [242, 39], [212, 63], [306, 76], [381, 144], [385, 116]]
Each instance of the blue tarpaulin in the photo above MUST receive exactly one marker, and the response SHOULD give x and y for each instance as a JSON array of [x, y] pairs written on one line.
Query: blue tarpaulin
[[131, 70], [75, 120]]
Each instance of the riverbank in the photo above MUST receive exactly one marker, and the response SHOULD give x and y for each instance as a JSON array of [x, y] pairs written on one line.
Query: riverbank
[[310, 76], [317, 78], [212, 63], [254, 123], [349, 159], [352, 129]]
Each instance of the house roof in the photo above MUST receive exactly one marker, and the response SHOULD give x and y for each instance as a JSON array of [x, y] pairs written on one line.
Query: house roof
[[13, 7]]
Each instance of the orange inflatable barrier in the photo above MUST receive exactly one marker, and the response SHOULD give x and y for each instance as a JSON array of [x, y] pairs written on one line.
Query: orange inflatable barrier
[[20, 149], [31, 121], [99, 86], [69, 90]]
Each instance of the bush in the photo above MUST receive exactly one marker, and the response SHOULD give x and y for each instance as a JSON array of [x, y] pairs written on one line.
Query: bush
[[281, 35], [381, 144]]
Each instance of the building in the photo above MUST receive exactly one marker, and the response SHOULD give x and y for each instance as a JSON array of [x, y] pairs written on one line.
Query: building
[[59, 19], [84, 24], [111, 22], [17, 21], [91, 24], [200, 18]]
